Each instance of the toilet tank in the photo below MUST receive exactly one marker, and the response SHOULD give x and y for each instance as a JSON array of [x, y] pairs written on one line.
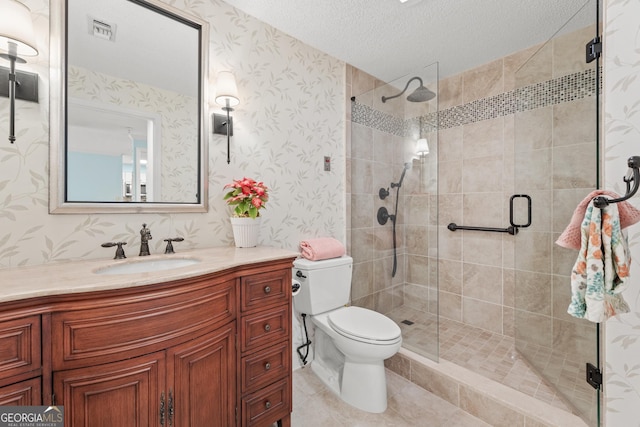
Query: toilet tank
[[324, 285]]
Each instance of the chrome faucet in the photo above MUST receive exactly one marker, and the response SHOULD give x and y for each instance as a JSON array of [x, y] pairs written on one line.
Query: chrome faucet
[[145, 236]]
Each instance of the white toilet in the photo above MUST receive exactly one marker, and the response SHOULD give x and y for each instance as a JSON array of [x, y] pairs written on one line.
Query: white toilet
[[351, 343]]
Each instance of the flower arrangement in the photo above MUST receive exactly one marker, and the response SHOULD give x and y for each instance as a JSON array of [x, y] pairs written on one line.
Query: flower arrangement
[[248, 196]]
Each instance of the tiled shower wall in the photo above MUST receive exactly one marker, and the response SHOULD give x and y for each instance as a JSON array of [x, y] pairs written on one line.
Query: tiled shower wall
[[476, 269], [380, 140], [475, 178]]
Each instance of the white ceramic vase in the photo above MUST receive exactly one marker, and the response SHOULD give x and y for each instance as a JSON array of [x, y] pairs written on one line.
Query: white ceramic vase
[[245, 231]]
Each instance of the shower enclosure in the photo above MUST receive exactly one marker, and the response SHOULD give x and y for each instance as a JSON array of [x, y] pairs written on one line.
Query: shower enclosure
[[494, 303], [557, 164], [393, 223]]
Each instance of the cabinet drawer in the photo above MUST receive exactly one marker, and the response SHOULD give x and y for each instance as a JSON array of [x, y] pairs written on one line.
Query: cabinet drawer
[[260, 290], [268, 405], [19, 346], [24, 393], [265, 327], [265, 366], [116, 332]]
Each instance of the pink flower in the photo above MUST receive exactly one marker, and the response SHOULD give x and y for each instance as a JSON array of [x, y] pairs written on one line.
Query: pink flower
[[247, 196]]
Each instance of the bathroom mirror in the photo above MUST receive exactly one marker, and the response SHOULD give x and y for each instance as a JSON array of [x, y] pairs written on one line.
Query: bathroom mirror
[[128, 128]]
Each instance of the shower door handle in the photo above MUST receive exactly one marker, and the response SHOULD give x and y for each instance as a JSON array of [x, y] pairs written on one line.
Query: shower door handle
[[517, 196]]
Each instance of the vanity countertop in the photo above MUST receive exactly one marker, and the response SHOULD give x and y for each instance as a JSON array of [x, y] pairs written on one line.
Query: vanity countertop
[[80, 276]]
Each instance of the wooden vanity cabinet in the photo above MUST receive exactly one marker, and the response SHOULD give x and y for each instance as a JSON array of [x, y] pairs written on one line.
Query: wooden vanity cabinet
[[265, 349], [162, 357], [213, 350], [20, 360]]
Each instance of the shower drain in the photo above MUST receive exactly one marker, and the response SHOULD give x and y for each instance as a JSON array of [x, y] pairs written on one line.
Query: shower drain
[[407, 322]]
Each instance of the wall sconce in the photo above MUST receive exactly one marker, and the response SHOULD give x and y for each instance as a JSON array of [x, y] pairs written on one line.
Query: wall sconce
[[422, 148], [16, 38], [227, 97]]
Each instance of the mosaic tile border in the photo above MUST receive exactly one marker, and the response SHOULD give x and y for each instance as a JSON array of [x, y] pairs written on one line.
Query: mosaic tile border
[[551, 92]]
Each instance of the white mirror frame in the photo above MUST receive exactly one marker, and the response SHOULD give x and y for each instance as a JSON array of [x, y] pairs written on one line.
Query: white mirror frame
[[57, 138]]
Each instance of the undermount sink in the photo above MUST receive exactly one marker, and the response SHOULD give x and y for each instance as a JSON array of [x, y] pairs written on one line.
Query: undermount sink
[[147, 266]]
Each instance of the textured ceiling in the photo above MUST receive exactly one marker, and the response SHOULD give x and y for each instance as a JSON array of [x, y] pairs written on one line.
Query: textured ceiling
[[389, 39]]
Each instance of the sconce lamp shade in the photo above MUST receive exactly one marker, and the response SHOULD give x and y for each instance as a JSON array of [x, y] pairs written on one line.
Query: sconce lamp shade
[[422, 147], [226, 90], [16, 29]]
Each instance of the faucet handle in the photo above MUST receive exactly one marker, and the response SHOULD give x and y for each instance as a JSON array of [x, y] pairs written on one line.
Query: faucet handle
[[169, 249], [119, 251]]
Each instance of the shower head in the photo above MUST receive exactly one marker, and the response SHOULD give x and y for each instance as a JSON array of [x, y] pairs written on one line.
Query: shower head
[[421, 94], [398, 184]]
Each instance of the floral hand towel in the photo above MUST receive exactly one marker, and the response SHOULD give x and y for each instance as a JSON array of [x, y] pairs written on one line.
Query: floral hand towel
[[601, 271]]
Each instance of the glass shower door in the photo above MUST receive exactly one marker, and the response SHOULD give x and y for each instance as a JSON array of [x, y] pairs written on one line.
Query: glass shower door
[[556, 164]]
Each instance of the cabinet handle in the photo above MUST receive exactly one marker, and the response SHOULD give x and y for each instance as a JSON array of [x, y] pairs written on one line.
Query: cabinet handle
[[267, 404], [267, 289], [170, 408], [162, 408], [267, 366], [267, 327]]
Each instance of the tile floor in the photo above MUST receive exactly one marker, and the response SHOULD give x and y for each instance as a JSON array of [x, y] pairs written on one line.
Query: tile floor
[[408, 406], [495, 357]]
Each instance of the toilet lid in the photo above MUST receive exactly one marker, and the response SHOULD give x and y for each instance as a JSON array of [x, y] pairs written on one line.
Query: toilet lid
[[363, 323]]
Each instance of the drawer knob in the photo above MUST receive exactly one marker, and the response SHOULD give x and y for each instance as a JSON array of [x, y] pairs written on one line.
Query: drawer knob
[[267, 366], [267, 404], [267, 327], [267, 289]]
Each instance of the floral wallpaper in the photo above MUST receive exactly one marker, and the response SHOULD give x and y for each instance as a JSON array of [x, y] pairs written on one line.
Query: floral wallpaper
[[177, 113], [291, 115], [622, 140]]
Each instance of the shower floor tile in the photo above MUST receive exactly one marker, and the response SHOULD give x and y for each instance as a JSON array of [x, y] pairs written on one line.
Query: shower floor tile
[[495, 357]]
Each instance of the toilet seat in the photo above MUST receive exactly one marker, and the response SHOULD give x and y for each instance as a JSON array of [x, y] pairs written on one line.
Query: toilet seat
[[364, 325]]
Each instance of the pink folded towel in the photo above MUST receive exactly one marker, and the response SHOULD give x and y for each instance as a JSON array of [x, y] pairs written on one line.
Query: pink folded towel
[[571, 236], [321, 248]]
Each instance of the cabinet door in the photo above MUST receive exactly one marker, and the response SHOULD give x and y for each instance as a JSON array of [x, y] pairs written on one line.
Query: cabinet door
[[24, 393], [202, 380], [127, 393]]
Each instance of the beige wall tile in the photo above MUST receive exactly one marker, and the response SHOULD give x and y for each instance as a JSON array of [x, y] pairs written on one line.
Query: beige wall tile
[[450, 92], [450, 276], [418, 270], [450, 177], [482, 314], [438, 384], [483, 138], [533, 292], [482, 174], [449, 244], [450, 306], [568, 52], [534, 328], [449, 144], [482, 282], [362, 280], [533, 251], [362, 206], [489, 410], [481, 247], [533, 170], [361, 176], [526, 67], [574, 166], [575, 339], [483, 81], [483, 209], [536, 68], [534, 129], [450, 209], [574, 122]]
